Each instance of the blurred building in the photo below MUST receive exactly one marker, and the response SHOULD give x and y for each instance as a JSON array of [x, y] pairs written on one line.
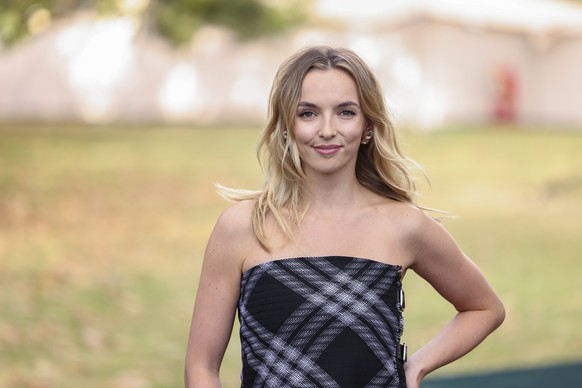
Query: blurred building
[[441, 62]]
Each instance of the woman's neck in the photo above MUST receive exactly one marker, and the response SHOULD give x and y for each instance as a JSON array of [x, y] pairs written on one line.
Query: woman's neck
[[331, 193]]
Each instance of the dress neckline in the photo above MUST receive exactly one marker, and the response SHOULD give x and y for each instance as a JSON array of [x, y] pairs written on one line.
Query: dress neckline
[[270, 262]]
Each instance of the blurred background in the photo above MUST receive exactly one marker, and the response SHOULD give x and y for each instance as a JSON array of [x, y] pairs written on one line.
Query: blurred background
[[117, 116], [212, 62]]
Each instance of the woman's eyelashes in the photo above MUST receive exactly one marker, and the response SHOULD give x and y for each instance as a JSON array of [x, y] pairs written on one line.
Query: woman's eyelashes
[[307, 114], [347, 113], [343, 113]]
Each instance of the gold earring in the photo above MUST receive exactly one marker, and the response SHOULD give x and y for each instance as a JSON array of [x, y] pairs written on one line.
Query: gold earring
[[368, 137]]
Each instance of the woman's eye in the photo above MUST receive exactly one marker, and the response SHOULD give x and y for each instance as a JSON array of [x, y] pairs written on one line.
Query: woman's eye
[[348, 113], [306, 114]]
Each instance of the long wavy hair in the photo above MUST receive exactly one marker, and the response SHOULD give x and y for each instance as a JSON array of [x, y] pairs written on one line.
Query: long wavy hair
[[381, 166]]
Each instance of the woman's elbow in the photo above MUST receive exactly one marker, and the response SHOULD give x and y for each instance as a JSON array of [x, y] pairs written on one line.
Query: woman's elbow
[[498, 313]]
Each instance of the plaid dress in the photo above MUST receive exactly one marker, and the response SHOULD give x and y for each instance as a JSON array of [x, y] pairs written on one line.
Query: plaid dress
[[331, 321]]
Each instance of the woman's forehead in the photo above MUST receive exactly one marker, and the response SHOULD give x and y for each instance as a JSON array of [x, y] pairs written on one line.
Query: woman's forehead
[[332, 84]]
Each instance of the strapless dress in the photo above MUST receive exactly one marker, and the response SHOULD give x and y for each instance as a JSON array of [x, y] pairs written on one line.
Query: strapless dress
[[331, 321]]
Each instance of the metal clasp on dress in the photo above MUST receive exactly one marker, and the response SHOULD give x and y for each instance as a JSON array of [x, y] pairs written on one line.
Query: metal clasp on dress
[[403, 350], [401, 300]]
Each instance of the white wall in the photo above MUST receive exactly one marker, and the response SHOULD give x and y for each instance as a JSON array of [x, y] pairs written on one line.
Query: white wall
[[433, 72]]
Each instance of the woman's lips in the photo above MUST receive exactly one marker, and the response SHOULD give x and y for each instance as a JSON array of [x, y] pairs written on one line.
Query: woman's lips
[[328, 149]]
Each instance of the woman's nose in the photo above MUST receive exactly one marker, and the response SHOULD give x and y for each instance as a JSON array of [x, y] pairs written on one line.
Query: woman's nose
[[327, 129]]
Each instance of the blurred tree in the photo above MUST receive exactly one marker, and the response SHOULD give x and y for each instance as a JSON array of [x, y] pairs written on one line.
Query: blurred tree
[[19, 18], [175, 20]]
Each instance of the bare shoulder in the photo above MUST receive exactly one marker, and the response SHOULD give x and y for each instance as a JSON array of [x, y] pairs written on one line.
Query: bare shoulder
[[406, 227], [232, 236], [429, 241], [236, 219], [408, 218]]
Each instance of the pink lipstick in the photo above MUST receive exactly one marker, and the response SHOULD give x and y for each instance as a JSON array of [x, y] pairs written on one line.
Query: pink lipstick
[[327, 149]]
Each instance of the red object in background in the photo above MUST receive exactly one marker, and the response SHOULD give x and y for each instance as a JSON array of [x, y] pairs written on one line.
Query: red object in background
[[505, 101]]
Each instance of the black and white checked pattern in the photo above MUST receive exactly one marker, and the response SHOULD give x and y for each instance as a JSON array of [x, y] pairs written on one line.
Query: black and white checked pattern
[[302, 319]]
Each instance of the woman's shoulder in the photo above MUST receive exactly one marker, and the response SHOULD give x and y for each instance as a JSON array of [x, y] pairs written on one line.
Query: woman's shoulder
[[232, 234], [236, 218], [415, 227], [406, 217]]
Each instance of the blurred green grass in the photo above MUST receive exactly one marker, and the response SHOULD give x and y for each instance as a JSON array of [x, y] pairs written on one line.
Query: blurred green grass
[[102, 231]]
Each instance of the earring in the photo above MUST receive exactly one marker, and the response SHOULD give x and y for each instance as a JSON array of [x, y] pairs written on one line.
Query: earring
[[285, 134], [368, 137]]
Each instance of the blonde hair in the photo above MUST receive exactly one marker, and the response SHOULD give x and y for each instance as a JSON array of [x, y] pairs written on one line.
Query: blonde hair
[[381, 167]]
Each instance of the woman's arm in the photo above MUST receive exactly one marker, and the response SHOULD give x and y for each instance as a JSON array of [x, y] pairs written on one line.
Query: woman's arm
[[216, 301], [440, 261]]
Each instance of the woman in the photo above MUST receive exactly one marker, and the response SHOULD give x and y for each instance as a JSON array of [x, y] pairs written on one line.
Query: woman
[[314, 260]]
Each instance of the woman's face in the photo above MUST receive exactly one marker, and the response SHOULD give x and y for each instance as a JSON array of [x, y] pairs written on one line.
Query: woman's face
[[329, 123]]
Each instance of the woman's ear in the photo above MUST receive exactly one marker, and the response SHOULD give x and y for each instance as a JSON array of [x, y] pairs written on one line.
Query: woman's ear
[[367, 135]]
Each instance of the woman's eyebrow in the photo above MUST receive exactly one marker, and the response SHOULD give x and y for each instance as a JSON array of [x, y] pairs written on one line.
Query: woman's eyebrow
[[340, 105], [348, 103], [307, 104]]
